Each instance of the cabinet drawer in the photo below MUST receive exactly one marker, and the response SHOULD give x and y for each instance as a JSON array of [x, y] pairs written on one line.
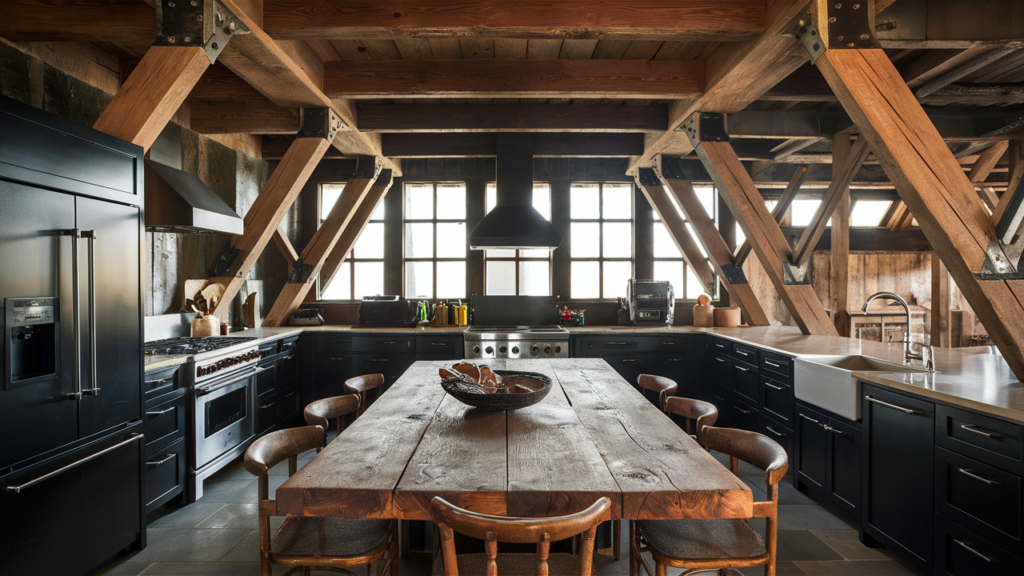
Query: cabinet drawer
[[960, 552], [387, 344], [267, 411], [745, 353], [392, 366], [165, 421], [598, 347], [745, 380], [289, 345], [720, 398], [777, 400], [266, 380], [330, 372], [447, 345], [289, 403], [780, 365], [992, 441], [744, 416], [334, 343], [287, 368], [720, 346], [720, 371], [165, 474], [979, 497], [160, 382], [777, 432], [675, 345]]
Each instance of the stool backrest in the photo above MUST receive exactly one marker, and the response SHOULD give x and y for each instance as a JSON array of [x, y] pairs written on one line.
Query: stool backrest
[[321, 412], [361, 385], [700, 412], [665, 387]]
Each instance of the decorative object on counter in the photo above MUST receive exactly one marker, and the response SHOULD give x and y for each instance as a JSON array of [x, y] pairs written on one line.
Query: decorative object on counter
[[650, 301], [727, 317], [205, 324], [251, 312], [388, 310], [703, 312], [571, 317], [202, 296], [622, 314], [307, 317], [493, 390]]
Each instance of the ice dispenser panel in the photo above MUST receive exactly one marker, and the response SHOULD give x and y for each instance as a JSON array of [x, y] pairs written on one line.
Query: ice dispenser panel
[[32, 340]]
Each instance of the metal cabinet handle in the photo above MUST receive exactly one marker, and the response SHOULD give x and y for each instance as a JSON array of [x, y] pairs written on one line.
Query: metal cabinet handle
[[970, 474], [265, 406], [290, 394], [742, 410], [806, 417], [831, 429], [741, 352], [742, 369], [389, 342], [773, 386], [153, 383], [974, 429], [772, 364], [668, 343], [76, 318], [972, 550], [22, 487], [773, 431], [720, 359], [161, 412], [439, 343], [675, 359], [629, 359], [339, 358], [615, 343], [163, 460], [95, 390], [720, 345], [887, 405], [380, 360]]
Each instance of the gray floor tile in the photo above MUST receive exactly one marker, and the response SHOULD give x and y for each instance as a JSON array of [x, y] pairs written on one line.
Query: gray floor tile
[[242, 516], [230, 491], [247, 549], [803, 545], [847, 544], [855, 568], [809, 517], [790, 495], [195, 545], [201, 569], [782, 569], [187, 516], [122, 568]]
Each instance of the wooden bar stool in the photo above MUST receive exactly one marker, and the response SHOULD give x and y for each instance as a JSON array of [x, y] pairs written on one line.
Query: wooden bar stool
[[699, 545], [665, 387], [493, 529], [360, 385], [305, 542], [321, 412], [697, 411]]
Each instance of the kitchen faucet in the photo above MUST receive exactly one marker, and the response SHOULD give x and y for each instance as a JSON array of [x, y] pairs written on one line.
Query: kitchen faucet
[[927, 354]]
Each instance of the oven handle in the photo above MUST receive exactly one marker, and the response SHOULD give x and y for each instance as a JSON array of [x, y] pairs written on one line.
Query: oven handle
[[75, 464], [228, 381]]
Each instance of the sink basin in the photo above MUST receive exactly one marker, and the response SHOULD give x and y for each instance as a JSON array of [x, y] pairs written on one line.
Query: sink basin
[[827, 381]]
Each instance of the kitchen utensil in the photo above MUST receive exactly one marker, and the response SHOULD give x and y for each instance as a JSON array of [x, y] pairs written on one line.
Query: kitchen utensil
[[205, 325]]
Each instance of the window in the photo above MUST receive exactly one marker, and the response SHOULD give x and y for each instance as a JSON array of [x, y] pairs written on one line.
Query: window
[[869, 213], [601, 232], [362, 272], [668, 260], [435, 240], [519, 272]]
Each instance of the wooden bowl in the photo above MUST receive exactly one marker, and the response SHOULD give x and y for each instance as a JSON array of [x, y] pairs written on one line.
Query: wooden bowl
[[500, 401]]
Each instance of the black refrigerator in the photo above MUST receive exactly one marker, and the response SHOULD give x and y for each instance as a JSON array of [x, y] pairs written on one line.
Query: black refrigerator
[[71, 260]]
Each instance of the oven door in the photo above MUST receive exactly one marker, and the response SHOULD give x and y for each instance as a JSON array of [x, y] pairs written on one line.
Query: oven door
[[225, 415]]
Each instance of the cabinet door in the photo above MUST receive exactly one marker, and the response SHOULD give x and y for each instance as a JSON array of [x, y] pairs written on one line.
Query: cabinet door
[[118, 275], [267, 411], [980, 497], [288, 369], [745, 381], [165, 474], [720, 397], [392, 366], [777, 399], [811, 447], [843, 472], [898, 452], [744, 416], [686, 370], [330, 372], [630, 367], [266, 379], [720, 372], [960, 552], [778, 433]]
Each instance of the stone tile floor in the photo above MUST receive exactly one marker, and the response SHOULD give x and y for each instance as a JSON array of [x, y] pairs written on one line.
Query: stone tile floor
[[217, 536]]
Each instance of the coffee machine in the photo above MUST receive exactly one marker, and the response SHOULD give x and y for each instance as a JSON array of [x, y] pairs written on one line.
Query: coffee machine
[[650, 302]]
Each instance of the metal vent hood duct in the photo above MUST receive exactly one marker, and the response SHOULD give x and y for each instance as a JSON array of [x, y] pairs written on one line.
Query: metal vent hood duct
[[180, 203], [514, 223]]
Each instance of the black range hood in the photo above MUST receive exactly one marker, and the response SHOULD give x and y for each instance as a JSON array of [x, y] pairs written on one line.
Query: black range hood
[[514, 223], [180, 203]]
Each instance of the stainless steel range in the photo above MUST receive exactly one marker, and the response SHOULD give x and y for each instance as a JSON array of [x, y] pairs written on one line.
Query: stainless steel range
[[221, 374], [516, 342]]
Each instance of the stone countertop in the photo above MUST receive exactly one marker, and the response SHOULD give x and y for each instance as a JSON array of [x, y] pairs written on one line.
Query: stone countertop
[[158, 362]]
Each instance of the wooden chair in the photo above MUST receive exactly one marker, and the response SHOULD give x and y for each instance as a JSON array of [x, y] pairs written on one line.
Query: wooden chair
[[305, 542], [701, 545], [321, 412], [360, 385], [665, 387], [697, 411], [493, 529]]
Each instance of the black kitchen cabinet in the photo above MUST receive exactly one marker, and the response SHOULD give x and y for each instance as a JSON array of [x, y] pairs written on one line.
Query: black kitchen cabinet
[[811, 459], [720, 371], [391, 366], [826, 457], [777, 398], [166, 470], [772, 429], [982, 498], [898, 473], [744, 416], [330, 372], [745, 381], [961, 552], [844, 465]]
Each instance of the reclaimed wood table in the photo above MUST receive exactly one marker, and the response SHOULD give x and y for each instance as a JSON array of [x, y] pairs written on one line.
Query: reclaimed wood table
[[593, 435]]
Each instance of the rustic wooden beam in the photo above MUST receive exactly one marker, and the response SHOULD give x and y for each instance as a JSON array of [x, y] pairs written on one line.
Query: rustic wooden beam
[[314, 255], [657, 195], [766, 239], [933, 185], [119, 21], [152, 94], [839, 256], [360, 219], [275, 147], [837, 192], [678, 20], [780, 209], [793, 146], [546, 144], [951, 76], [489, 78], [265, 216], [732, 277], [286, 248], [934, 63], [510, 118], [1016, 166], [987, 160], [940, 302], [255, 116]]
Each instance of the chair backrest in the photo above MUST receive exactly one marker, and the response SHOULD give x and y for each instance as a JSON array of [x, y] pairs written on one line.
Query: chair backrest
[[540, 531], [665, 387], [321, 412], [755, 449], [361, 385], [272, 449], [702, 413]]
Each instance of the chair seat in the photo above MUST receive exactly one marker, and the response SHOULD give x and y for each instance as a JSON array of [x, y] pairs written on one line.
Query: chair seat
[[702, 539], [511, 565], [315, 536]]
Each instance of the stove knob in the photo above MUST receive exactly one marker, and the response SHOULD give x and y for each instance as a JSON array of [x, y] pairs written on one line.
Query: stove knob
[[502, 349], [199, 371], [515, 349], [547, 350], [476, 349], [535, 350], [489, 350], [558, 349]]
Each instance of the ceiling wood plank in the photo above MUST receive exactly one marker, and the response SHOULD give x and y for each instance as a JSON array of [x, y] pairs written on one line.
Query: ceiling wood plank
[[522, 117], [514, 78], [241, 116], [546, 144]]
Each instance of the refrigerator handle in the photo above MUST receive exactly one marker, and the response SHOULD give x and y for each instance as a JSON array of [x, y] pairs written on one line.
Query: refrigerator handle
[[94, 390], [76, 324]]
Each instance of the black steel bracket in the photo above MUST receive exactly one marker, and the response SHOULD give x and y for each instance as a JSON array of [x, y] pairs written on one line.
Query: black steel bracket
[[647, 177], [850, 26], [367, 167], [670, 168], [385, 178], [224, 261], [301, 272], [733, 274], [705, 127], [203, 23], [319, 123], [795, 275]]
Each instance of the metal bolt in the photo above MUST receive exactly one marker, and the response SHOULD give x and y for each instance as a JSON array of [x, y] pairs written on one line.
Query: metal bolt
[[171, 40], [838, 5], [214, 46], [840, 38], [850, 44], [188, 39], [864, 36], [832, 20], [194, 3], [816, 47], [856, 6], [170, 4]]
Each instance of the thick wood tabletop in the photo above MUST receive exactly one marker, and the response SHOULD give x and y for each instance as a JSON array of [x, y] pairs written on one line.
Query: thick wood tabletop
[[593, 435]]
